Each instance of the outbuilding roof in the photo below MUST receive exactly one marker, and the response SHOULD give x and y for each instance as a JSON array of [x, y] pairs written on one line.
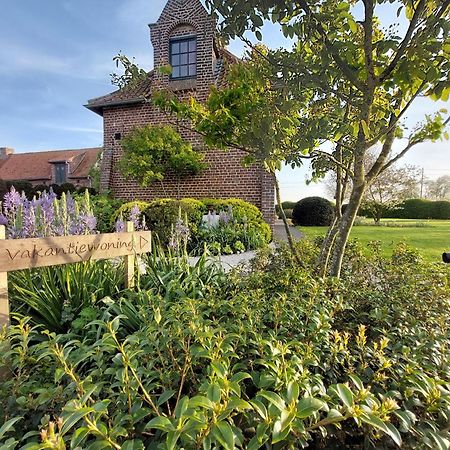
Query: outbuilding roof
[[34, 166]]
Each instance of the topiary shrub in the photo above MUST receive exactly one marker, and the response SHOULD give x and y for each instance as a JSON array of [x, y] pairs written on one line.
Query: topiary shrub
[[123, 212], [313, 211], [440, 210], [162, 214], [3, 189], [414, 208], [57, 189], [92, 191], [68, 187], [243, 212]]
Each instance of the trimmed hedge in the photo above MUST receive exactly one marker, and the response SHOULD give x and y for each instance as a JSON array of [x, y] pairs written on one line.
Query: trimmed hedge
[[313, 211], [417, 208]]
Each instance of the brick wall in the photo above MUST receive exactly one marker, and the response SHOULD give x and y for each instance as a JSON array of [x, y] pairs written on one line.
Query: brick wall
[[224, 177]]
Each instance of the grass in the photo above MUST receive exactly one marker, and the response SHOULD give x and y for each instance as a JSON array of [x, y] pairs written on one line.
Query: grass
[[430, 237]]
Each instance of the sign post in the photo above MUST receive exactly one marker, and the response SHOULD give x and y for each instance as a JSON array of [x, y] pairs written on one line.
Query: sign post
[[17, 254]]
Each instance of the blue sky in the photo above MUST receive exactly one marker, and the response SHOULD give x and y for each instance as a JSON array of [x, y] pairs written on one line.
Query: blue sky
[[56, 54]]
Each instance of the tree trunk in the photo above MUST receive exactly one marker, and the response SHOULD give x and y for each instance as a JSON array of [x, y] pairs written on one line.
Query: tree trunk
[[345, 226], [286, 225]]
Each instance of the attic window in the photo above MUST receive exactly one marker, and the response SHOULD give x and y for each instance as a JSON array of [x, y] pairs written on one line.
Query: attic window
[[183, 57], [60, 173]]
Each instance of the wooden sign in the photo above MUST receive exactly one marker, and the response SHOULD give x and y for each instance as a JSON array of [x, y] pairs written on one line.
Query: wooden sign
[[17, 254]]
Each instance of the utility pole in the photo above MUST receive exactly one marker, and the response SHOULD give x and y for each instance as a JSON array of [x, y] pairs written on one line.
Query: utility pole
[[421, 184]]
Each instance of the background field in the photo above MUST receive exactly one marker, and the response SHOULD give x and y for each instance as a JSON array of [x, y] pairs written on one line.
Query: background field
[[430, 237]]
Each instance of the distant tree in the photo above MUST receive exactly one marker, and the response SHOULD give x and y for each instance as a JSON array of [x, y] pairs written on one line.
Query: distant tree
[[439, 189]]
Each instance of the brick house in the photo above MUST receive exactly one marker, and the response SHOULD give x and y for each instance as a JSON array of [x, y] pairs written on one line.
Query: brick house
[[184, 37], [49, 167]]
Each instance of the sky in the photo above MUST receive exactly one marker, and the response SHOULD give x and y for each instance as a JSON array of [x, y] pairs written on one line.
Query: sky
[[57, 54]]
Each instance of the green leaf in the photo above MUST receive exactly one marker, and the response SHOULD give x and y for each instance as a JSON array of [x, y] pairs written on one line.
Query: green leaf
[[73, 418], [78, 437], [260, 408], [258, 35], [160, 423], [171, 439], [201, 401], [166, 395], [388, 428], [213, 392], [345, 394], [293, 391], [273, 398], [8, 425], [219, 369], [307, 406], [224, 434], [356, 381]]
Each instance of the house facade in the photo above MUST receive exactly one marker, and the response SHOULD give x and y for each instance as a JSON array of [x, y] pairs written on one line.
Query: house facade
[[184, 38], [49, 167]]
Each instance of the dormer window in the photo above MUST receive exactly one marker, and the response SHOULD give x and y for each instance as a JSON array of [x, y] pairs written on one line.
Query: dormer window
[[60, 173], [183, 57]]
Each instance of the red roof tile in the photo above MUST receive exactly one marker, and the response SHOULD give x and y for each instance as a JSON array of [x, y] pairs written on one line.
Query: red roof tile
[[37, 165]]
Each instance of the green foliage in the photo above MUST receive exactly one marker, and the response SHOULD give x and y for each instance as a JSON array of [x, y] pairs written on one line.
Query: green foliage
[[124, 210], [105, 209], [243, 212], [54, 296], [418, 208], [279, 356], [68, 187], [132, 74], [21, 186], [152, 151], [161, 216], [313, 211]]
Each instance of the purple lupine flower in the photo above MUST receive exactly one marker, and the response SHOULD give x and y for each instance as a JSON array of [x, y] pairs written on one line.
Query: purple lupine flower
[[12, 199], [120, 226], [3, 219], [135, 215], [224, 217]]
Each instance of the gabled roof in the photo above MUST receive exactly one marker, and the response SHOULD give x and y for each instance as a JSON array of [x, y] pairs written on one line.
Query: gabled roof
[[140, 92], [35, 166], [126, 96]]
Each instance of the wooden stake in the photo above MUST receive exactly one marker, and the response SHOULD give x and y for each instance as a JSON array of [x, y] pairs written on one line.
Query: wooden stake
[[129, 261], [4, 302]]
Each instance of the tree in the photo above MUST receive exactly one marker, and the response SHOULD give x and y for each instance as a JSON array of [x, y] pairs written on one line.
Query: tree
[[364, 77], [390, 187], [150, 152], [439, 189]]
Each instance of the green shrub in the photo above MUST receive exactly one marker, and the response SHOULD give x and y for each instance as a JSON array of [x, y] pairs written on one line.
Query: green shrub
[[162, 214], [286, 207], [54, 296], [243, 212], [123, 212], [22, 186], [68, 187], [313, 211], [279, 356], [105, 210], [441, 210]]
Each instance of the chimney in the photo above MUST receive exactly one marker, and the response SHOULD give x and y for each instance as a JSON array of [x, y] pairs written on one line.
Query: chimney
[[5, 152]]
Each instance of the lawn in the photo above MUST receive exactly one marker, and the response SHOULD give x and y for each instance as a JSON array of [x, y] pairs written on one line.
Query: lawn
[[430, 237]]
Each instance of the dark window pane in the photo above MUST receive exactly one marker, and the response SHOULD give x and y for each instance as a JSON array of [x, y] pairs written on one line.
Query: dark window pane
[[192, 58], [193, 45], [183, 71], [184, 58], [175, 47], [175, 60], [183, 47], [176, 72], [192, 70]]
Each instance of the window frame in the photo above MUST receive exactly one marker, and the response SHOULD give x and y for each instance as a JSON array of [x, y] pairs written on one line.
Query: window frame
[[62, 165], [179, 40]]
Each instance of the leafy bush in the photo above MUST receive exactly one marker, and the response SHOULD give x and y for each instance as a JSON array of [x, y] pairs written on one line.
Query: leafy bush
[[125, 211], [152, 151], [313, 211], [243, 212], [54, 296], [105, 210], [162, 214], [278, 357], [287, 206], [68, 187], [21, 186], [418, 208]]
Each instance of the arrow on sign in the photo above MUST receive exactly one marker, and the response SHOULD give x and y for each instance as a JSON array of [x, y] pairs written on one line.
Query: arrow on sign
[[142, 241]]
